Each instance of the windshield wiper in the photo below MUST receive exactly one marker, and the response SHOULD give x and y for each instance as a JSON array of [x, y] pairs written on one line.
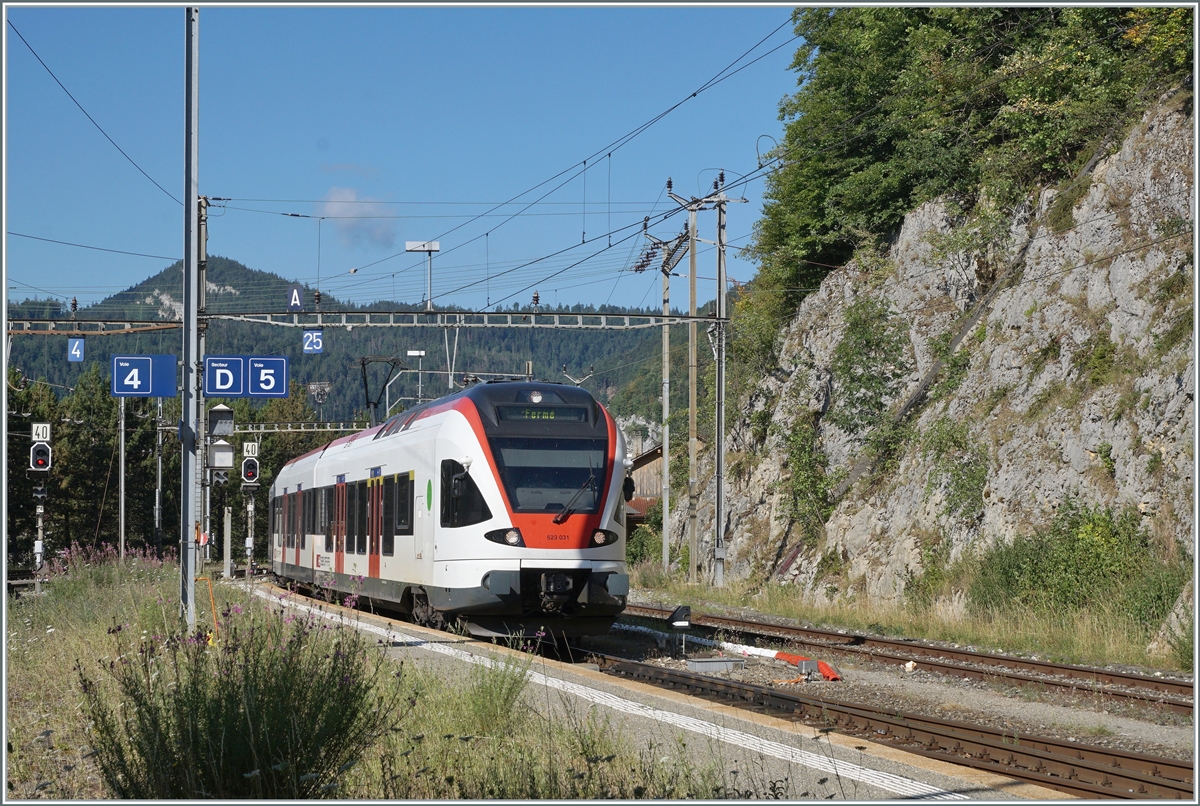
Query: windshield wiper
[[590, 481]]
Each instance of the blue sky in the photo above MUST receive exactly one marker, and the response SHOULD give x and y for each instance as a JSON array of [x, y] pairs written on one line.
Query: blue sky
[[396, 124]]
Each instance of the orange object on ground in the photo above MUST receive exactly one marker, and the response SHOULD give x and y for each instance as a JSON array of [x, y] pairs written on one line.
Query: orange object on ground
[[827, 671], [795, 660]]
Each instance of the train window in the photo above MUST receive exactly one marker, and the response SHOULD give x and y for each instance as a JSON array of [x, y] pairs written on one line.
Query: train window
[[405, 491], [550, 474], [389, 516], [309, 500], [288, 540], [462, 503], [360, 520], [327, 518], [275, 524]]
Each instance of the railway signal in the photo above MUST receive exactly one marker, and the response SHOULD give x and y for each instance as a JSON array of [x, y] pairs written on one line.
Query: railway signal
[[250, 471], [40, 456]]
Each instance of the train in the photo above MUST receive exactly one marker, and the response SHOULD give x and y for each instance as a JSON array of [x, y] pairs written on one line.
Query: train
[[499, 510]]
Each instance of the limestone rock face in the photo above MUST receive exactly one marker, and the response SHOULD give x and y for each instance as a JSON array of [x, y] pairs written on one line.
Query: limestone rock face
[[1079, 380]]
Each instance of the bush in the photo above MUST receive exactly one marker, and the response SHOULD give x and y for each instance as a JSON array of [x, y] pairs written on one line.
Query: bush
[[869, 365], [959, 467], [279, 707], [645, 544], [1086, 558]]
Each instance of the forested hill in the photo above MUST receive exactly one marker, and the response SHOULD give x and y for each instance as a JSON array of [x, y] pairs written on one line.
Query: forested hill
[[232, 287]]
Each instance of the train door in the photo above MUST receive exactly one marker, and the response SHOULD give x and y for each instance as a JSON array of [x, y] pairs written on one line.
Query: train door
[[339, 526], [374, 521], [298, 523]]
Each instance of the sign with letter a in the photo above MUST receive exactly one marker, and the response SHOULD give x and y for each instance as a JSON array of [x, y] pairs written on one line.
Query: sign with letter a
[[295, 298]]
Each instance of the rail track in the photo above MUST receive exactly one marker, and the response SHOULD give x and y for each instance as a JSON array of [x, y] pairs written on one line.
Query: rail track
[[1070, 767], [1173, 695], [1077, 769]]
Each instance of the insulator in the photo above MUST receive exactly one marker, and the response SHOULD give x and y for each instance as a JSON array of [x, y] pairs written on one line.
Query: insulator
[[721, 177], [74, 305], [317, 297], [536, 298], [668, 184]]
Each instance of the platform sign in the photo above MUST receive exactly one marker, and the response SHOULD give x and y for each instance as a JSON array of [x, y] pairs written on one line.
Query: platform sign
[[295, 298], [74, 349], [143, 376], [245, 376], [268, 377], [224, 376], [314, 341]]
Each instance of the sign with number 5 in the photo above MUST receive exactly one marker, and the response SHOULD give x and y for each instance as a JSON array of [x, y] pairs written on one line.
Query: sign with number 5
[[268, 377]]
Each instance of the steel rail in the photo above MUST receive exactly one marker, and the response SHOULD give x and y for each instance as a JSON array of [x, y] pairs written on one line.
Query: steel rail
[[1083, 770], [1079, 678]]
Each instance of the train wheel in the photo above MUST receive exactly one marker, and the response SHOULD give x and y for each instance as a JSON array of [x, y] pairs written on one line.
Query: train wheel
[[424, 614]]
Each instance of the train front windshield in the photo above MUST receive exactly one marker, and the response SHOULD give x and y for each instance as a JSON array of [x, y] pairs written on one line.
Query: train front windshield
[[550, 474]]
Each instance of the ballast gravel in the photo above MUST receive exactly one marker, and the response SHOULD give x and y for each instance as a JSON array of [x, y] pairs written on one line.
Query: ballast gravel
[[1080, 718]]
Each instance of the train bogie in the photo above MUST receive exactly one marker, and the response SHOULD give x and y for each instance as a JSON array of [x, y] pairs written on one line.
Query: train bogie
[[500, 508]]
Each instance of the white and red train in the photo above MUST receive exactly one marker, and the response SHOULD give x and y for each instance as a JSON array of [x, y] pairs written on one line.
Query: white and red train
[[500, 508]]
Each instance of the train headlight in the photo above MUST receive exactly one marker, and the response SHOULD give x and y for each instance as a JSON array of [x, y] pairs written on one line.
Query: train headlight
[[509, 537], [602, 537]]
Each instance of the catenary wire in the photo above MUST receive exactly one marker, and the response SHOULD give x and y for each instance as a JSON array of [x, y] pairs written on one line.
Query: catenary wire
[[89, 117]]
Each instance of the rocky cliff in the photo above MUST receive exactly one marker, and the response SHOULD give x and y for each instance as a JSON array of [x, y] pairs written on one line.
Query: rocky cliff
[[1011, 364]]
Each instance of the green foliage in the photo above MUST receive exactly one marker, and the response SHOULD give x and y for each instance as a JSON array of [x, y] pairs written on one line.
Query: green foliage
[[1061, 215], [1155, 463], [493, 695], [808, 487], [886, 446], [1164, 34], [1183, 644], [959, 467], [1098, 361], [921, 589], [869, 364], [1086, 558], [954, 366], [1179, 330], [1050, 351], [645, 544], [1104, 451], [272, 710], [897, 106]]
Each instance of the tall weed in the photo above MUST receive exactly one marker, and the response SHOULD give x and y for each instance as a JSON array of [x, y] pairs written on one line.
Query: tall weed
[[278, 708]]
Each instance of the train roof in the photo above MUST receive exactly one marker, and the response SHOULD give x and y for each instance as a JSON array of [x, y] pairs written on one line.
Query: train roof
[[483, 395]]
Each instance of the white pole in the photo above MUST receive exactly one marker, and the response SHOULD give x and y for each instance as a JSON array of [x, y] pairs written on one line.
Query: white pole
[[121, 428], [189, 506]]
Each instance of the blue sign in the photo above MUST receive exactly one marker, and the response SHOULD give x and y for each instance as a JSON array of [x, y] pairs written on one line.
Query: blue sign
[[295, 300], [143, 376], [224, 376], [245, 376], [74, 349], [269, 377], [314, 341]]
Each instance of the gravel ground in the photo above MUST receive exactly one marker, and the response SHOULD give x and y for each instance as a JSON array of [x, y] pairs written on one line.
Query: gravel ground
[[1062, 716]]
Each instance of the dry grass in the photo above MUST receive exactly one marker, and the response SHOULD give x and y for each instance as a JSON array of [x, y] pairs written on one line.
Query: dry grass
[[1085, 637], [477, 732]]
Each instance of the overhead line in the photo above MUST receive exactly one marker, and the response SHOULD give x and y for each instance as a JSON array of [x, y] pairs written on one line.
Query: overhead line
[[85, 246], [89, 117]]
